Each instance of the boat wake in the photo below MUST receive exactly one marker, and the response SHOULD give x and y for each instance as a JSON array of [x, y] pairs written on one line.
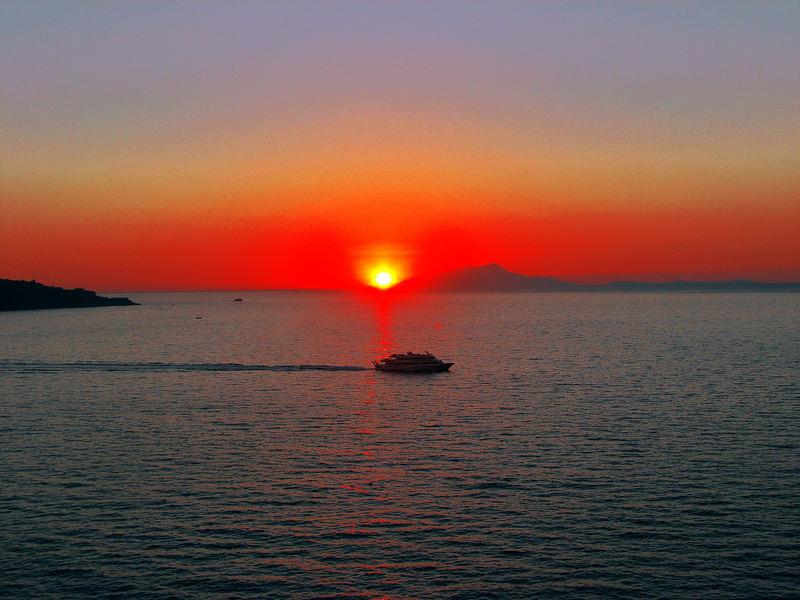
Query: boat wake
[[60, 367]]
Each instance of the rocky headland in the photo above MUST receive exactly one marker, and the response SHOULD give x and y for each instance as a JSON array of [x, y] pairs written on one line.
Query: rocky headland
[[31, 295]]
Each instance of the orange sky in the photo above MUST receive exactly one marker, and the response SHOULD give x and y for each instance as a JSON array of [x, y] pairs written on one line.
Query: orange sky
[[186, 146]]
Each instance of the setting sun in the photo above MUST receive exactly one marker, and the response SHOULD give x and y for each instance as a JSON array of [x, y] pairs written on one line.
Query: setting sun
[[383, 279]]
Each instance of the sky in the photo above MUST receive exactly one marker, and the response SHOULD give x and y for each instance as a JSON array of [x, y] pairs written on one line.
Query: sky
[[256, 145]]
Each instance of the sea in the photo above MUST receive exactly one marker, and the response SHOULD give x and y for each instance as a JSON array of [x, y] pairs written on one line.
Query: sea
[[583, 445]]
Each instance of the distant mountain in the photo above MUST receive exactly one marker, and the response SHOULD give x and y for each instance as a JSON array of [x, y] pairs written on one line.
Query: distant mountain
[[488, 278], [30, 295], [494, 278], [735, 285]]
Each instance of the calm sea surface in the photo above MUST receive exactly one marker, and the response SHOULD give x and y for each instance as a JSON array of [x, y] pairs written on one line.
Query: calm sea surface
[[583, 446]]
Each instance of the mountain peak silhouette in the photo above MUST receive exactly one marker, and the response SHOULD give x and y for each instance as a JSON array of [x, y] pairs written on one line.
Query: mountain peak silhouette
[[492, 277], [486, 278]]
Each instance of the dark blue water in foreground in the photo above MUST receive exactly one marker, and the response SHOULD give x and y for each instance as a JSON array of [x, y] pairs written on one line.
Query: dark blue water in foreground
[[583, 446]]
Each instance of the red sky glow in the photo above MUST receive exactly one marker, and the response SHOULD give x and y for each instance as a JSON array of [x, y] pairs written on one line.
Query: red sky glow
[[308, 145]]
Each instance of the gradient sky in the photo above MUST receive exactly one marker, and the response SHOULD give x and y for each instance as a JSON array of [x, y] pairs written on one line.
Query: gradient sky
[[186, 145]]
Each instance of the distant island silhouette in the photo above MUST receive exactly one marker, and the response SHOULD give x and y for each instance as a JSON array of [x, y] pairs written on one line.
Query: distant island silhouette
[[30, 295], [494, 278]]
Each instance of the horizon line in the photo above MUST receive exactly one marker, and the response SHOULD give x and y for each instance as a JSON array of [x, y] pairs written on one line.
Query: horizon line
[[369, 288]]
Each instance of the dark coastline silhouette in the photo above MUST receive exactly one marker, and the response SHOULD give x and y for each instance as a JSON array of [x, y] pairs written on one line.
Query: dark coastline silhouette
[[31, 295], [494, 278]]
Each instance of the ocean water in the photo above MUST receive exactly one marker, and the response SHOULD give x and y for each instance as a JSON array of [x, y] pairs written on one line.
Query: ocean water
[[583, 446]]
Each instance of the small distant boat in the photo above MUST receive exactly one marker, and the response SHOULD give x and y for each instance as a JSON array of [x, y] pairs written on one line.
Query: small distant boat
[[411, 362], [237, 299]]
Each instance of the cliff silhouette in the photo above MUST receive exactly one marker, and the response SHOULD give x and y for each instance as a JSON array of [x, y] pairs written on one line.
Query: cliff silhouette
[[494, 278], [30, 295]]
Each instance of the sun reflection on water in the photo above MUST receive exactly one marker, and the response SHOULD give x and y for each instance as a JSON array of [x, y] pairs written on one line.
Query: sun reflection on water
[[384, 339]]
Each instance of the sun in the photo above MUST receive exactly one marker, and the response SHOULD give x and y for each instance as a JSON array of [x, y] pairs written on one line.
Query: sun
[[383, 279], [382, 274]]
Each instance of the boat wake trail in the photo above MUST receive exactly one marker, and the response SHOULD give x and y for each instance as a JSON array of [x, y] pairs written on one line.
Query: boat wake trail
[[150, 367]]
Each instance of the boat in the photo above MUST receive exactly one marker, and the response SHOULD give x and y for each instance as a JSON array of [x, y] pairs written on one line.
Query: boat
[[411, 362]]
